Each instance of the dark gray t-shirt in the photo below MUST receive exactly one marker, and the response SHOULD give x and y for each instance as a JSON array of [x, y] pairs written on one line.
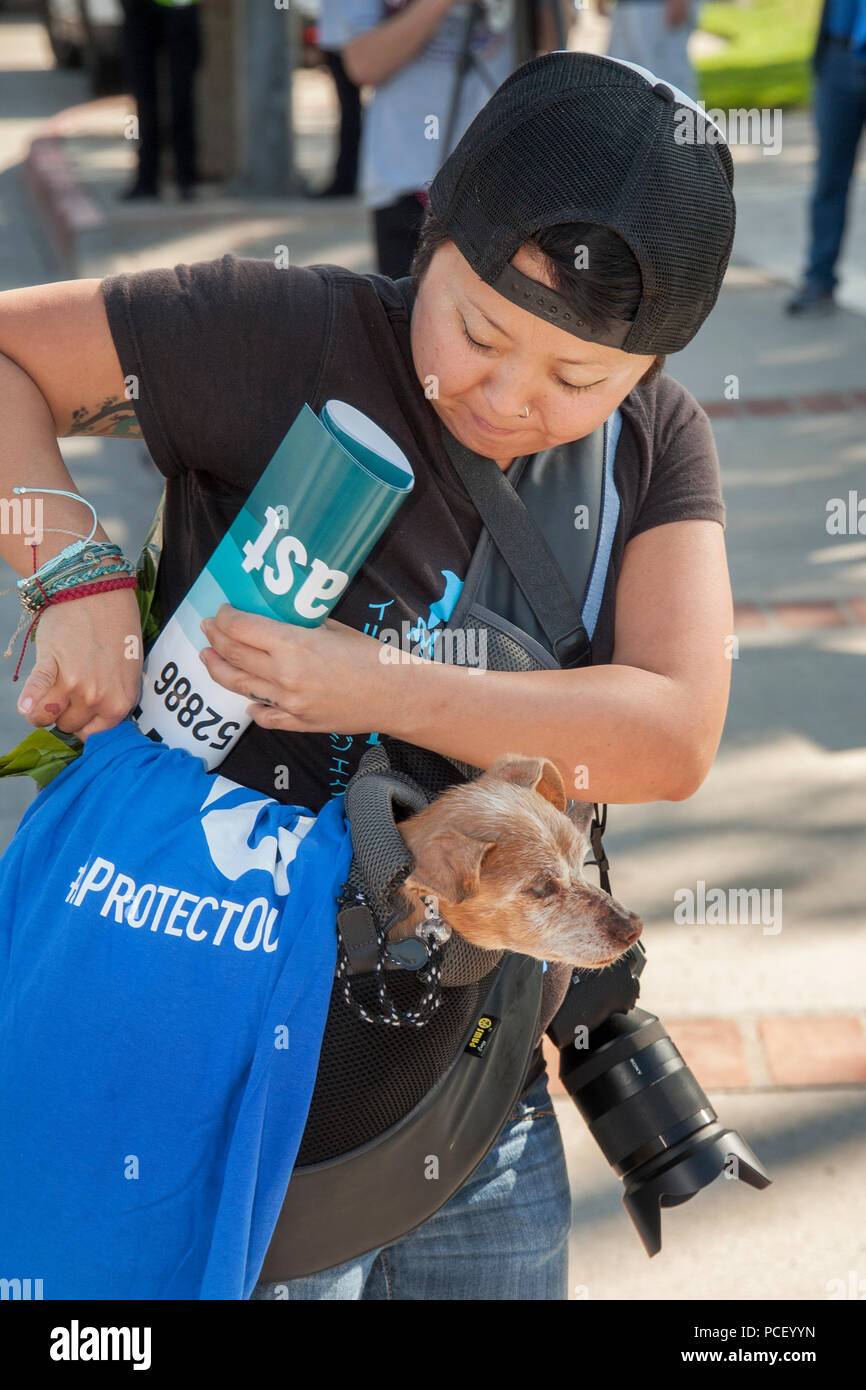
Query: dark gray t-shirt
[[225, 353]]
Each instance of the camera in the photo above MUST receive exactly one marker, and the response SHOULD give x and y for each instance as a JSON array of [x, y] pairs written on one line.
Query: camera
[[642, 1104]]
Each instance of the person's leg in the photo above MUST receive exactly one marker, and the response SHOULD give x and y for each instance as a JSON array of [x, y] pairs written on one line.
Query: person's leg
[[839, 115], [396, 232], [346, 173], [345, 1282], [504, 1234], [183, 36], [140, 42]]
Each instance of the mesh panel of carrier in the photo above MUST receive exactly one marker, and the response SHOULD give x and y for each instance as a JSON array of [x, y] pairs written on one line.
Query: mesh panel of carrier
[[371, 1075]]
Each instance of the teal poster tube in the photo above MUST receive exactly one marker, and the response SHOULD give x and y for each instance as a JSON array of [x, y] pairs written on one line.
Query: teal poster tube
[[321, 504]]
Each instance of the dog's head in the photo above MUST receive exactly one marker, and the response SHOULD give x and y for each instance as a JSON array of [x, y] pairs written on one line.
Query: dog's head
[[505, 861]]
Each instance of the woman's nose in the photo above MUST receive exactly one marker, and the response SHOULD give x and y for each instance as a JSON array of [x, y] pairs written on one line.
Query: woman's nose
[[505, 403]]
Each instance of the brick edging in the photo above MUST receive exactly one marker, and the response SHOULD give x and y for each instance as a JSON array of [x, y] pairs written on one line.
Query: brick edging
[[800, 613], [817, 403], [741, 1054], [73, 223]]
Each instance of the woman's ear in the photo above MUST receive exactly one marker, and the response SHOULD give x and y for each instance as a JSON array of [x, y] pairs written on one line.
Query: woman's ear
[[652, 372]]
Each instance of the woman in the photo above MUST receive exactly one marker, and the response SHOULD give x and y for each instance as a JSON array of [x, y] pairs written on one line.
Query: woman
[[211, 362]]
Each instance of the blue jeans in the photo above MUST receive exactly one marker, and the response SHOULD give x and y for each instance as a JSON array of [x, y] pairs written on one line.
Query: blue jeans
[[504, 1233], [840, 113]]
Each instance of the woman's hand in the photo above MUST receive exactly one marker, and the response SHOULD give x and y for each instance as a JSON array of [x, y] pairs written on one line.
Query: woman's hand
[[318, 680], [89, 657]]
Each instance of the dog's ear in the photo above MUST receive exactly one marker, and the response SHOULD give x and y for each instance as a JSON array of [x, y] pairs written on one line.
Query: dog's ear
[[537, 774], [448, 864]]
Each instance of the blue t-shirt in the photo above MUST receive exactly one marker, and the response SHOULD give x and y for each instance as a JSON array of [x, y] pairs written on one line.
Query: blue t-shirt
[[167, 952]]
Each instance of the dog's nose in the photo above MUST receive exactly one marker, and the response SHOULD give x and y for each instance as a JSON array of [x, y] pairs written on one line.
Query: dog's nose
[[626, 928]]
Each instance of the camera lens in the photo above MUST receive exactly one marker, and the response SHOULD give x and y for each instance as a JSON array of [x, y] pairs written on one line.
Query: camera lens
[[651, 1119]]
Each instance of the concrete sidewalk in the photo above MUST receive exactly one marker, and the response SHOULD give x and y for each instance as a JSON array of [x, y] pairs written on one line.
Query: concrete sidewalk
[[770, 1014]]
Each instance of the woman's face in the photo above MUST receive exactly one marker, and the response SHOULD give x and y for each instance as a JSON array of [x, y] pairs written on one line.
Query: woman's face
[[523, 361]]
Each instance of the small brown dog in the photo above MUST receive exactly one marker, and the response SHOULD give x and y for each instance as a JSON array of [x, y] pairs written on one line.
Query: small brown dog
[[505, 862]]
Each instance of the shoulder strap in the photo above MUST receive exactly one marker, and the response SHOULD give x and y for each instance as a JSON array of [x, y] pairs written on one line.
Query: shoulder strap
[[536, 568]]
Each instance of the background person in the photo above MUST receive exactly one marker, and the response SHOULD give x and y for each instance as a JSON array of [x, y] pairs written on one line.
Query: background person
[[345, 177], [839, 63], [148, 27], [655, 34], [408, 51]]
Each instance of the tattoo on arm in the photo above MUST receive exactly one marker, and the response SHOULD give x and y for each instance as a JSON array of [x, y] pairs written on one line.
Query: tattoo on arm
[[114, 416]]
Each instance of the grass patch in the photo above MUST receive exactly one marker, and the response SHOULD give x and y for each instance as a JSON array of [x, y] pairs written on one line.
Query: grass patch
[[767, 61]]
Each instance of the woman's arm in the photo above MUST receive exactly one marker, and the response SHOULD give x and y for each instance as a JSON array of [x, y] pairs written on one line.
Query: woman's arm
[[59, 376], [374, 55], [646, 727], [58, 334]]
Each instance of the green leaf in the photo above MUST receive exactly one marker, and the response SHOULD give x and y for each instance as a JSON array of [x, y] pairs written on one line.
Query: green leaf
[[41, 755], [146, 572]]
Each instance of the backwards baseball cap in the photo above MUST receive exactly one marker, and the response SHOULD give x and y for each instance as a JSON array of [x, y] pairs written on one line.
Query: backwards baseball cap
[[574, 137]]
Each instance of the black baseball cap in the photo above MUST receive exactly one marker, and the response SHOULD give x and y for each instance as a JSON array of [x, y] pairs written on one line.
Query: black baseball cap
[[575, 137]]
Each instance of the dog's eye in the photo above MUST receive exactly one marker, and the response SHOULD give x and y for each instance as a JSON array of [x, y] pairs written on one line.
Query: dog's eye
[[542, 888]]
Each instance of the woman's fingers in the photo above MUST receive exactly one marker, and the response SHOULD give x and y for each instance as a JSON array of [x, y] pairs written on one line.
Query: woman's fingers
[[228, 632], [242, 682], [248, 629], [41, 690], [93, 726]]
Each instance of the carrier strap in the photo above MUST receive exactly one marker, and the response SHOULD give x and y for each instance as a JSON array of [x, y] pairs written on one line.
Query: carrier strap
[[538, 573]]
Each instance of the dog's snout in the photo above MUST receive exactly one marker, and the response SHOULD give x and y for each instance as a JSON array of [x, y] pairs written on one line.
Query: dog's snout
[[626, 927]]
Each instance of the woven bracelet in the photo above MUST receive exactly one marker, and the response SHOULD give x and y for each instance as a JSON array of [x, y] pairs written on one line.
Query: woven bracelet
[[97, 586]]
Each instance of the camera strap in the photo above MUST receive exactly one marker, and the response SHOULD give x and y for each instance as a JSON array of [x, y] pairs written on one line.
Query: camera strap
[[534, 566]]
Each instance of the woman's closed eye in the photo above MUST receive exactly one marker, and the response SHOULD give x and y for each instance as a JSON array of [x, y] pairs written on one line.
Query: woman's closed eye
[[487, 347]]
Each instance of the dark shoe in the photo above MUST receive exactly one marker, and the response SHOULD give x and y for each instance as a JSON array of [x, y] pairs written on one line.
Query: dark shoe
[[138, 190], [811, 300], [186, 192]]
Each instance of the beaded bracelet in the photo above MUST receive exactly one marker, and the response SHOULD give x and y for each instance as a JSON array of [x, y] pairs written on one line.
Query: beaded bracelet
[[88, 567], [77, 570]]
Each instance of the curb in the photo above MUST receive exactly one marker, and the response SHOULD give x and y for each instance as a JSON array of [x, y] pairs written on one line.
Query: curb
[[817, 403], [759, 1054], [73, 223], [804, 614]]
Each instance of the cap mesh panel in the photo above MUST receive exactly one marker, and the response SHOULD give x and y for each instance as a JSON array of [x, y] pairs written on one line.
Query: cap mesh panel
[[574, 137]]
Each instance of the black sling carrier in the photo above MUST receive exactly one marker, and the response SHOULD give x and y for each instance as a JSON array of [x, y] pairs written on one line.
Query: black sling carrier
[[400, 1118]]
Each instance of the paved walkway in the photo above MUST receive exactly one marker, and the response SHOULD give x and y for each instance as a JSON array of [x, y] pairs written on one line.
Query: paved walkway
[[769, 1013]]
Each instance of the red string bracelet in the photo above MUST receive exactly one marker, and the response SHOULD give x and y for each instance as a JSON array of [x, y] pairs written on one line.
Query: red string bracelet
[[95, 586]]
